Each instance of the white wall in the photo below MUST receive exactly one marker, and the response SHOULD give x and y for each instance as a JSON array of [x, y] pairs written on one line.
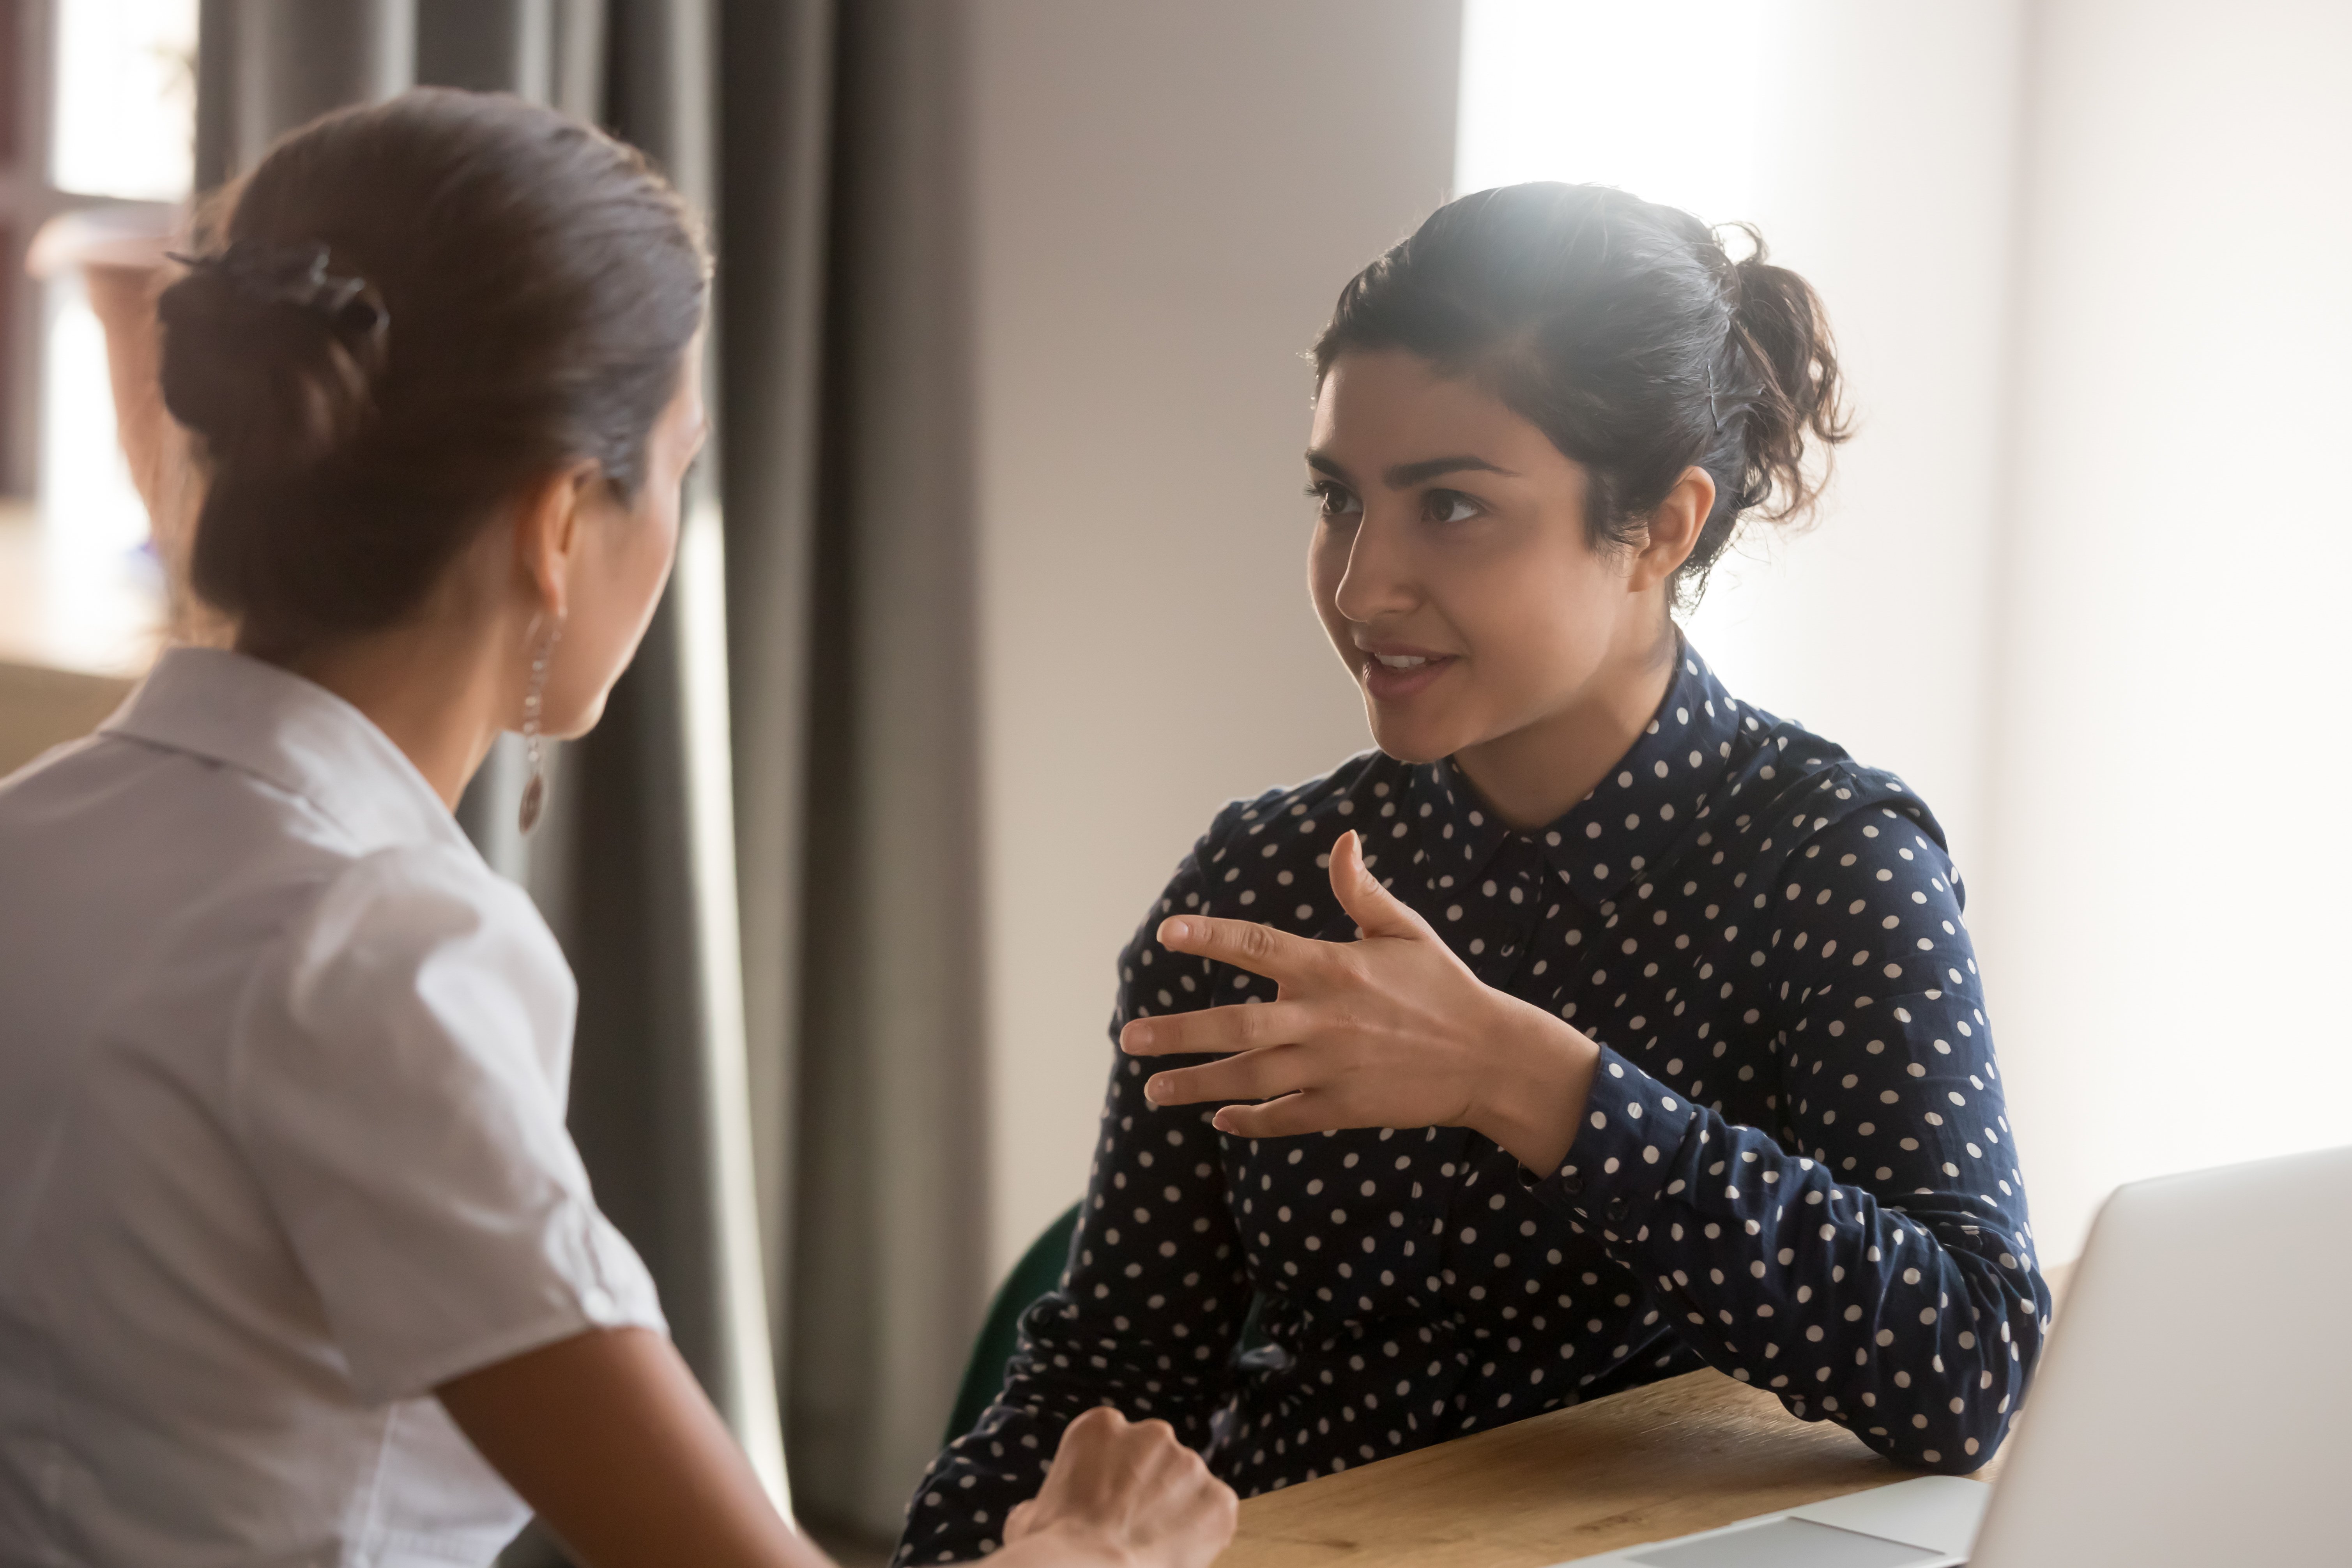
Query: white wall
[[1886, 181], [1169, 198], [2079, 578], [1874, 147], [2166, 921]]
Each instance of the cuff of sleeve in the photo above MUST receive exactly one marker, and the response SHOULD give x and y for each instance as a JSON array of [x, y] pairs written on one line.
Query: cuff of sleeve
[[1623, 1158]]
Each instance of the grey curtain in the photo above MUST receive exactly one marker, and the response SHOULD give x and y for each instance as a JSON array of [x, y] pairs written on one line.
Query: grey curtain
[[762, 864]]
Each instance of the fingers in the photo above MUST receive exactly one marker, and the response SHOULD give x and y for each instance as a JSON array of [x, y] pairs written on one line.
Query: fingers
[[1375, 909], [1093, 1426], [1243, 1026], [1130, 1491], [1309, 1110], [1253, 1075], [1244, 945]]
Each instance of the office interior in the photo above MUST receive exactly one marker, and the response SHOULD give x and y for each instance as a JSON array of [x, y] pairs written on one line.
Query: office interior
[[991, 593]]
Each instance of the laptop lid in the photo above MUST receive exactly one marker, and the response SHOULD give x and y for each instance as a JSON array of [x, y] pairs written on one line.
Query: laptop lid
[[2195, 1405]]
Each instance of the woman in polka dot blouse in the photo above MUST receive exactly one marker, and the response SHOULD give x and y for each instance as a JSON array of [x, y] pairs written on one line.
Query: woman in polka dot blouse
[[1598, 1026]]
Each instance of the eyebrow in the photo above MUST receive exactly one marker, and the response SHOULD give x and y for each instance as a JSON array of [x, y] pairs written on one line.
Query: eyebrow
[[1404, 476]]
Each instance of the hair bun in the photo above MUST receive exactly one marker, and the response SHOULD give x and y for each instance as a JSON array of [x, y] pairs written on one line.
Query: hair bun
[[269, 357], [1779, 324]]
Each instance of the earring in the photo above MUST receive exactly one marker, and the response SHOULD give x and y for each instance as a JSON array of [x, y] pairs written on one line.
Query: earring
[[534, 792]]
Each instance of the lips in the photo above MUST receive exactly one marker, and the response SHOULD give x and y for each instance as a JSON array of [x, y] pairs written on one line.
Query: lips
[[1394, 674]]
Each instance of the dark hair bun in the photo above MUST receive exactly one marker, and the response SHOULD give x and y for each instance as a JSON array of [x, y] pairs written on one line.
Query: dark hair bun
[[274, 376], [1782, 331], [417, 309]]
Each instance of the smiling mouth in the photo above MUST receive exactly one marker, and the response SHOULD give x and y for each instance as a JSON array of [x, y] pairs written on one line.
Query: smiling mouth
[[1400, 661]]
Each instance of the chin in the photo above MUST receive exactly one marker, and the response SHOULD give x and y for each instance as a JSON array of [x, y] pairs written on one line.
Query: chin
[[584, 720], [1415, 743]]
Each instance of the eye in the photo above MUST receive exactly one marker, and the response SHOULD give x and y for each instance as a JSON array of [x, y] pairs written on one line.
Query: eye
[[1334, 500], [1449, 506]]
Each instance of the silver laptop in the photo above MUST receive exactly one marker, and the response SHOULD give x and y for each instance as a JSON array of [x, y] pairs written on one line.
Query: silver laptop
[[2194, 1406]]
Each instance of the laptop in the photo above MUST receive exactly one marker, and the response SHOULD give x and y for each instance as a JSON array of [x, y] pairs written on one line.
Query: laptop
[[2194, 1406]]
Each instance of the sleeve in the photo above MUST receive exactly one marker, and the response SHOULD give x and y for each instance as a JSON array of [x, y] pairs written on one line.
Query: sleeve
[[1869, 1260], [1151, 1305], [397, 1088]]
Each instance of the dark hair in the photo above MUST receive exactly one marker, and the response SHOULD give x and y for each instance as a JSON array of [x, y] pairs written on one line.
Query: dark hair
[[1625, 333], [420, 307]]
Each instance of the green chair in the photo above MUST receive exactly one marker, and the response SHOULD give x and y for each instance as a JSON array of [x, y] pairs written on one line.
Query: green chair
[[1038, 1272]]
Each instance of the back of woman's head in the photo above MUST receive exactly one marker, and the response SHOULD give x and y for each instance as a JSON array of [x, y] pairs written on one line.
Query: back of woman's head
[[415, 311], [1625, 333]]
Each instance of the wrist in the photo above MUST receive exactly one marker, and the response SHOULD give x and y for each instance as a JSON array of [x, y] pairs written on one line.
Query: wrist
[[1072, 1543], [1531, 1105]]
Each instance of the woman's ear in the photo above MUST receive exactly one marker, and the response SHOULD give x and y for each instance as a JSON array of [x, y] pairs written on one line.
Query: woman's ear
[[547, 534], [1674, 528]]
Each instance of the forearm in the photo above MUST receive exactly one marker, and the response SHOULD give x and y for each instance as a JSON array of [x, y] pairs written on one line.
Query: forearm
[[1917, 1327], [1535, 1094], [607, 1435]]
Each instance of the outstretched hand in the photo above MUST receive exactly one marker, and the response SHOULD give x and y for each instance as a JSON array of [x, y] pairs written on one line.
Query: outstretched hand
[[1391, 1030]]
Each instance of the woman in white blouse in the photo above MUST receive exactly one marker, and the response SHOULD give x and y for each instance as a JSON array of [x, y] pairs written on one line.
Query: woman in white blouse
[[297, 1263]]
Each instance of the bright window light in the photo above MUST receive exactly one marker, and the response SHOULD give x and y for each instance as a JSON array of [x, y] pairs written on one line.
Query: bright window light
[[87, 496], [126, 98], [1662, 98]]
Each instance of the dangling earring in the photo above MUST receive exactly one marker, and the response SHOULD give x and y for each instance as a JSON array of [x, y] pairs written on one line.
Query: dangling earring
[[534, 792]]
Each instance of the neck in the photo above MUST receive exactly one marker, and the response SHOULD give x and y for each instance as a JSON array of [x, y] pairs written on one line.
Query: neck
[[442, 693], [1535, 774]]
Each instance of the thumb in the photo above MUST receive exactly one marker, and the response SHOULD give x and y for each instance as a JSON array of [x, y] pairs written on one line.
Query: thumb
[[1375, 909]]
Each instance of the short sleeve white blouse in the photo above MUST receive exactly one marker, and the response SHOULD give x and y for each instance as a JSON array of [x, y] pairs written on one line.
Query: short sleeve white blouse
[[282, 1143]]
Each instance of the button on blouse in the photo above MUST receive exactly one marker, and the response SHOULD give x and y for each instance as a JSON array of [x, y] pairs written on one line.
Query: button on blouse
[[1795, 1165]]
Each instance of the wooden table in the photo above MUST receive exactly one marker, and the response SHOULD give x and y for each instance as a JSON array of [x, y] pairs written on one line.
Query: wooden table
[[1691, 1453]]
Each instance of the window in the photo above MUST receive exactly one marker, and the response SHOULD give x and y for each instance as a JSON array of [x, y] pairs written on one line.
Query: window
[[99, 123]]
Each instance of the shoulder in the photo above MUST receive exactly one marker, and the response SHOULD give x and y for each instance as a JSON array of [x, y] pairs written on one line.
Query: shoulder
[[421, 893], [1788, 791], [1262, 857], [1274, 839], [418, 933], [1349, 796]]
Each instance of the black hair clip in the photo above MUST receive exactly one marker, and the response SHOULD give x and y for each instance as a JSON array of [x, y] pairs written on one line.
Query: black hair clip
[[295, 275]]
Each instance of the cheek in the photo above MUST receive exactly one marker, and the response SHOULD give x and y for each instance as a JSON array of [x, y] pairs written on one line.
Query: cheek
[[624, 585], [1326, 567], [1540, 611], [1327, 563], [653, 547]]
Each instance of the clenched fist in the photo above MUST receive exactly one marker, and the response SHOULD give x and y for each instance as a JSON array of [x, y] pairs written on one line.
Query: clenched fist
[[1126, 1494]]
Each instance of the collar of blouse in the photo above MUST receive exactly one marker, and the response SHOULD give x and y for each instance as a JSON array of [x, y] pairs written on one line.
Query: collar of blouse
[[1704, 754], [292, 734]]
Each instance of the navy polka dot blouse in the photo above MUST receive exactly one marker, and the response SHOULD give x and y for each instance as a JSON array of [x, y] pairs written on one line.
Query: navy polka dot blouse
[[1795, 1167]]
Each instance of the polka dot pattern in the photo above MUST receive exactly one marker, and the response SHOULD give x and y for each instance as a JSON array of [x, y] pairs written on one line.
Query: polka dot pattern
[[1795, 1166]]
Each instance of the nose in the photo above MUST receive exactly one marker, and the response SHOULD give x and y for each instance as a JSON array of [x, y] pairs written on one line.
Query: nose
[[1379, 582]]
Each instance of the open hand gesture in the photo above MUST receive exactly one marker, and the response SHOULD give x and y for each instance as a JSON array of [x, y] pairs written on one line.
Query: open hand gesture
[[1391, 1030]]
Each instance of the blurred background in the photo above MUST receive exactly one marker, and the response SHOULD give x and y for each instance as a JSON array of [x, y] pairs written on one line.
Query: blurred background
[[995, 592]]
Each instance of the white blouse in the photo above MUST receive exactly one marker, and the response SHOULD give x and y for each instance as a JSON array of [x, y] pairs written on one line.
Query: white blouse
[[282, 1148]]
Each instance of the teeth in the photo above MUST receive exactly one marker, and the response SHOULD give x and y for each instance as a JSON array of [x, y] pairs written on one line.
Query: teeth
[[1400, 661]]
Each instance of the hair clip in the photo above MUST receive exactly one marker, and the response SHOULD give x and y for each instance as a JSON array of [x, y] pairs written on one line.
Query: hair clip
[[295, 275]]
